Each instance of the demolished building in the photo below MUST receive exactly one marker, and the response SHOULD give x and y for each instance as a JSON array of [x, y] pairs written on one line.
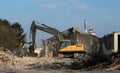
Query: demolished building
[[112, 42], [92, 43], [74, 40]]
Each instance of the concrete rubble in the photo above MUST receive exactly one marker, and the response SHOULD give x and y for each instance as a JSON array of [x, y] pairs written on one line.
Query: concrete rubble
[[10, 60], [11, 63]]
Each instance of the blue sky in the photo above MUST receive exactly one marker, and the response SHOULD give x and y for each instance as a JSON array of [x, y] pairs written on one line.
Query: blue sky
[[103, 15]]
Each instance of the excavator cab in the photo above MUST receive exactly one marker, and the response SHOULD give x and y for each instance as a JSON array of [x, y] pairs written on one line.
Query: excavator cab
[[68, 49], [67, 46], [64, 43]]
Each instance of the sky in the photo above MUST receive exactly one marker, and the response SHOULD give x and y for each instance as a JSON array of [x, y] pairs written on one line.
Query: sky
[[103, 15]]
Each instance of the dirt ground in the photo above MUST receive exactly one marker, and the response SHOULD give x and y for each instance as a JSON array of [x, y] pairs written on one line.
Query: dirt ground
[[7, 70]]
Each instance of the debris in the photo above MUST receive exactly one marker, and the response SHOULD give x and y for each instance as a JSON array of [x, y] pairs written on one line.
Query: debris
[[115, 65], [7, 59], [99, 66]]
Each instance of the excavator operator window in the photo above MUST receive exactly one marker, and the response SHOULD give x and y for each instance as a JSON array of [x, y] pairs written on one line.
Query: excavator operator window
[[64, 44]]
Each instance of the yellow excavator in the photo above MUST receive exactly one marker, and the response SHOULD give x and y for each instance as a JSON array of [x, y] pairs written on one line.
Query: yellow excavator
[[66, 46]]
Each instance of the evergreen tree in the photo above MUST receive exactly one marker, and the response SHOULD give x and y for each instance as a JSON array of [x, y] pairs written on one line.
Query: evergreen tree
[[11, 35]]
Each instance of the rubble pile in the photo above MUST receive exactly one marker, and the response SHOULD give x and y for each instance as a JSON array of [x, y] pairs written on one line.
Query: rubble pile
[[99, 66], [115, 65], [7, 59], [109, 66], [65, 63], [51, 63]]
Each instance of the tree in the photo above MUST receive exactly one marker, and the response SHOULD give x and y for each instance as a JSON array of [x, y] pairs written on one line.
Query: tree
[[11, 35], [16, 27]]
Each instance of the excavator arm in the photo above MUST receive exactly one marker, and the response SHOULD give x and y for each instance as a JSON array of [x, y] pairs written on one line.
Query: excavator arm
[[33, 32], [44, 28]]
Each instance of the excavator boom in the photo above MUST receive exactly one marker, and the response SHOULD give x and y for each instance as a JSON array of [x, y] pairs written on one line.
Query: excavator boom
[[32, 32], [44, 28]]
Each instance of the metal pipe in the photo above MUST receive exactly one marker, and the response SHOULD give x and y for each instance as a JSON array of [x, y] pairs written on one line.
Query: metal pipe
[[85, 25]]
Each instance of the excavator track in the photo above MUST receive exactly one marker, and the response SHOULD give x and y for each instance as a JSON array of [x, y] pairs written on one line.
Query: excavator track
[[82, 56]]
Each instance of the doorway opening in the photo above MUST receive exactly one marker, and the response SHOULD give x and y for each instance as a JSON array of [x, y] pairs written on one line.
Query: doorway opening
[[118, 43]]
